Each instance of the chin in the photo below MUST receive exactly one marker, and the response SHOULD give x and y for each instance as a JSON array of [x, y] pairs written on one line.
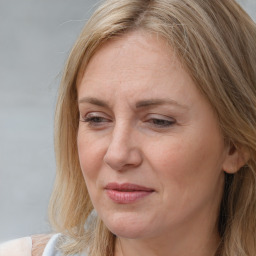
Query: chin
[[127, 226], [128, 232]]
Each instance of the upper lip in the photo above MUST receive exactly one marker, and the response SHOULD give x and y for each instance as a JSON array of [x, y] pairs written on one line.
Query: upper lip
[[127, 187]]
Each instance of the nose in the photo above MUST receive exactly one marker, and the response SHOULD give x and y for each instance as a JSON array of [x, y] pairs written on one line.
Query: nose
[[123, 151]]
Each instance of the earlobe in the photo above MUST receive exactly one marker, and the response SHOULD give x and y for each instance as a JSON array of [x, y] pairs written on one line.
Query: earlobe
[[236, 158]]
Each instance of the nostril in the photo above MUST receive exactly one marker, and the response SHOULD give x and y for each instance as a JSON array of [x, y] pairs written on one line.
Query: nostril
[[116, 160], [125, 157]]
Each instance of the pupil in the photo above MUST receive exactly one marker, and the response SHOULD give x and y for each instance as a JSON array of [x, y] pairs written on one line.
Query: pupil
[[160, 122], [97, 119]]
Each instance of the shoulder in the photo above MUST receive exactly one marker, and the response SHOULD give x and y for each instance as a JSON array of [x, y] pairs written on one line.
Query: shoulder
[[17, 247], [27, 246], [37, 245]]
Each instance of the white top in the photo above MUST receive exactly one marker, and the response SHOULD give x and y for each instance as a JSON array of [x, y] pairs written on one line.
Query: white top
[[50, 249]]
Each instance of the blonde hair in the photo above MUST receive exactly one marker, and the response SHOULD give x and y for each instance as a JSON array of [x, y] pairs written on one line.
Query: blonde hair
[[215, 40]]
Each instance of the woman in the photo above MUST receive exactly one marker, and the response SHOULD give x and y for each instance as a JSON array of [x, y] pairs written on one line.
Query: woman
[[155, 133]]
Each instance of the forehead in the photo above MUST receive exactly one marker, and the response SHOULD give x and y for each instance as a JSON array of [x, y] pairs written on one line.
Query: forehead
[[137, 63], [130, 50], [130, 44]]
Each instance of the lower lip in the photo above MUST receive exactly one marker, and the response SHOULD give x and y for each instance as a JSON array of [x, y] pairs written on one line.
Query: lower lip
[[124, 197]]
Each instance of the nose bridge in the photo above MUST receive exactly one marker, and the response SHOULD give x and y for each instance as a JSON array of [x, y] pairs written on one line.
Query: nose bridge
[[122, 150], [120, 135]]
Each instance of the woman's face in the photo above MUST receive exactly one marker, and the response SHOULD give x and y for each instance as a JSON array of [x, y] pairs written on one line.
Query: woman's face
[[149, 144]]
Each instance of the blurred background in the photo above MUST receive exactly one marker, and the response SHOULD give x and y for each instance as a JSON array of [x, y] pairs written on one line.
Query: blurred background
[[35, 39]]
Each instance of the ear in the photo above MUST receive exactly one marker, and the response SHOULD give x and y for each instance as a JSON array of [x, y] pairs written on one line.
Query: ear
[[236, 158]]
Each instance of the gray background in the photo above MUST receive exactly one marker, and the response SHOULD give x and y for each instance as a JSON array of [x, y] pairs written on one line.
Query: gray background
[[35, 38]]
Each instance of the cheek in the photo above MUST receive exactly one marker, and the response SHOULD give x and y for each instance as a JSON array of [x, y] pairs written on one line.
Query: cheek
[[190, 175], [91, 152], [185, 163], [168, 157]]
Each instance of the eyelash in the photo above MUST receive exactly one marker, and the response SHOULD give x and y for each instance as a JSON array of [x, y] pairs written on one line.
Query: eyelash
[[94, 120], [161, 123], [97, 121]]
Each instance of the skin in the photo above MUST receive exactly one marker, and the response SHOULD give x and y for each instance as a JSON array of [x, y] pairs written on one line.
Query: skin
[[176, 148]]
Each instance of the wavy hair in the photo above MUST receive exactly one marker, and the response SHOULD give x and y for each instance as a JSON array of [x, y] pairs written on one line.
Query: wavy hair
[[216, 42]]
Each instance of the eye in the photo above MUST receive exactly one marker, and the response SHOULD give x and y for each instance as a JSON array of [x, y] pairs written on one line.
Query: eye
[[95, 119], [161, 121]]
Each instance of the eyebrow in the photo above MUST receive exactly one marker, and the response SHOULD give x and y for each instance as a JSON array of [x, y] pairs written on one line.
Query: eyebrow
[[93, 101], [139, 104], [157, 102]]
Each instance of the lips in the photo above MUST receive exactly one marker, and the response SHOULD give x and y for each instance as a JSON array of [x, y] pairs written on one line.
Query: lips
[[127, 193]]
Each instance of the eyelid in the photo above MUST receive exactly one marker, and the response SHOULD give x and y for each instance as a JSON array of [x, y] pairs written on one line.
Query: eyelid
[[95, 114], [158, 121], [160, 116]]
